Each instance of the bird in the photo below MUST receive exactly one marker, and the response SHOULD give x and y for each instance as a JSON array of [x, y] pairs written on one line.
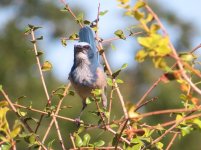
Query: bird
[[87, 72]]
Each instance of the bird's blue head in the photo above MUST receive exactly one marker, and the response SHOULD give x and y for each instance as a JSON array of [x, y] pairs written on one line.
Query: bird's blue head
[[85, 50]]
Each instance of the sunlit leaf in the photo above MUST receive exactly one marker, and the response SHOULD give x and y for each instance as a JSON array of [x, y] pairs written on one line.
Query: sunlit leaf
[[139, 4], [74, 36], [3, 103], [99, 143], [120, 34], [49, 145], [102, 13], [78, 141], [141, 55], [159, 145], [86, 139], [88, 100], [110, 82], [64, 42], [46, 66]]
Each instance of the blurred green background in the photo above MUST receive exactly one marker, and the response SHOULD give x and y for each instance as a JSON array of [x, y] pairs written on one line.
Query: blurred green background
[[20, 77]]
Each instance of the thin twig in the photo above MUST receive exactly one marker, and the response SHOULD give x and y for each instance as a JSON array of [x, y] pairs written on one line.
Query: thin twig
[[110, 104], [21, 119], [160, 112], [115, 133], [170, 129], [46, 92], [42, 79], [101, 113], [72, 140], [148, 91], [145, 103], [196, 48], [39, 66], [117, 38], [172, 141], [97, 148], [119, 135], [70, 11]]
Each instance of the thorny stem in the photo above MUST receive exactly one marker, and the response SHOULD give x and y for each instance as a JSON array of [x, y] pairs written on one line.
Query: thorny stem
[[39, 67], [46, 92], [42, 79]]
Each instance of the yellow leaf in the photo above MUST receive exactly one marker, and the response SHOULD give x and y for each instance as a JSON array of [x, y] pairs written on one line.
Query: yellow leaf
[[46, 66]]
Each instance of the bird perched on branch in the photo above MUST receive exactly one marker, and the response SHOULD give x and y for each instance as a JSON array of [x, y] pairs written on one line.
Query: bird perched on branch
[[87, 73]]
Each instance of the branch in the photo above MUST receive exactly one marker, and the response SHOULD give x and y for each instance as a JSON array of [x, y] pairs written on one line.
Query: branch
[[54, 118], [178, 61], [46, 92], [171, 142], [21, 119]]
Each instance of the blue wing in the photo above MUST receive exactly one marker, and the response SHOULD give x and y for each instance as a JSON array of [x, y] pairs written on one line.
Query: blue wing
[[86, 35]]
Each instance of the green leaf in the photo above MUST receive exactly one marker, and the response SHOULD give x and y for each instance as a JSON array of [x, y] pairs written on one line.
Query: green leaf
[[39, 38], [159, 145], [189, 57], [116, 73], [74, 36], [21, 113], [30, 138], [124, 66], [46, 66], [86, 22], [186, 130], [110, 82], [49, 145], [39, 53], [99, 143], [113, 46], [86, 139], [70, 92], [197, 122], [120, 34], [15, 131], [78, 141], [27, 31], [88, 100], [6, 146], [81, 129], [96, 92], [33, 27], [102, 13], [1, 87], [64, 42], [80, 17], [119, 81]]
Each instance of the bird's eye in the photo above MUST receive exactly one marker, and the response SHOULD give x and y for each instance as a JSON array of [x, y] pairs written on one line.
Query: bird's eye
[[86, 47]]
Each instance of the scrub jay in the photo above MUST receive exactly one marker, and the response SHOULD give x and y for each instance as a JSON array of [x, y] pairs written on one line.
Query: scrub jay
[[87, 73]]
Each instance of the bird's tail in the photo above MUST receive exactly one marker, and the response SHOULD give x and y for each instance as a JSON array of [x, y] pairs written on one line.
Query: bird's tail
[[86, 35]]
